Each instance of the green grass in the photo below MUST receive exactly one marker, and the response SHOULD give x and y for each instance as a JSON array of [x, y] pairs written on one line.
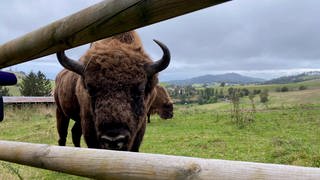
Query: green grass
[[285, 136], [287, 132]]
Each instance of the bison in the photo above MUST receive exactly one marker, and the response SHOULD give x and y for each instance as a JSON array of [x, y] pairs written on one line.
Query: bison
[[162, 105], [108, 93]]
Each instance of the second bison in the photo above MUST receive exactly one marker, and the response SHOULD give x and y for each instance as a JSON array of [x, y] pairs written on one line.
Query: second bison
[[162, 105], [108, 93]]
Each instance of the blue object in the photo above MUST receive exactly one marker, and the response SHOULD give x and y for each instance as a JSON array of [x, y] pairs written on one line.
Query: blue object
[[7, 79]]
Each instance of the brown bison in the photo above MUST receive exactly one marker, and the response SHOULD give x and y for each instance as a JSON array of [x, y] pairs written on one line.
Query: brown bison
[[162, 105], [108, 93]]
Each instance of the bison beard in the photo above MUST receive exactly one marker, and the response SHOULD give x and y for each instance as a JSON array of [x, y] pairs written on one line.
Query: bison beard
[[108, 93]]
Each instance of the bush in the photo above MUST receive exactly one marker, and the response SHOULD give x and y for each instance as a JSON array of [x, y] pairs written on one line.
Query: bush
[[256, 91], [4, 91], [264, 96], [302, 87], [284, 89], [245, 91]]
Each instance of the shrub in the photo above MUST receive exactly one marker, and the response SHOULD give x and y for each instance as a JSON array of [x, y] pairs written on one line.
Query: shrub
[[302, 87], [256, 91], [284, 89], [4, 91], [245, 91], [264, 96]]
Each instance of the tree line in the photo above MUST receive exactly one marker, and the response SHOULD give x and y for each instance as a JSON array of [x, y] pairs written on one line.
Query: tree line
[[207, 95]]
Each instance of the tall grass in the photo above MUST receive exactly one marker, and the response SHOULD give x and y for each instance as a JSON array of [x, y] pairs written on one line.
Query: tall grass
[[35, 124]]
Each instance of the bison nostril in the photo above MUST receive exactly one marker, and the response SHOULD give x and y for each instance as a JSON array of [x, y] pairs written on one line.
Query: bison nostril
[[120, 145]]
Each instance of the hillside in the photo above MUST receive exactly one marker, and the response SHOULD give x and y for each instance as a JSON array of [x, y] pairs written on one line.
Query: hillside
[[230, 78], [295, 78]]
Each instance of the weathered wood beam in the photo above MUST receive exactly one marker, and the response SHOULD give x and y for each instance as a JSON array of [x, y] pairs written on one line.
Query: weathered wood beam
[[99, 21], [105, 164]]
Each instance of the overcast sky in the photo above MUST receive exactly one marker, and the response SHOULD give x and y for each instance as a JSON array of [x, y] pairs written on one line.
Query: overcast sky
[[265, 38]]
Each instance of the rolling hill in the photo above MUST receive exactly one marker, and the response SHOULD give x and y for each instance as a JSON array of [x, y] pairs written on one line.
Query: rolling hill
[[295, 78], [230, 78]]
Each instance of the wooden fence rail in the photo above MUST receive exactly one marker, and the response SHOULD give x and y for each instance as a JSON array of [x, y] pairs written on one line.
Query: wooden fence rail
[[105, 164], [27, 100], [102, 20]]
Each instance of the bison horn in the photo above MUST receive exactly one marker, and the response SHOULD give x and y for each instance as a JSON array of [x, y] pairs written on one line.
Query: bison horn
[[160, 64], [70, 64]]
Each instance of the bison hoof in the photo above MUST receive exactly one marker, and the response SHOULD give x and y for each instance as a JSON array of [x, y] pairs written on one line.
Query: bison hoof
[[62, 142]]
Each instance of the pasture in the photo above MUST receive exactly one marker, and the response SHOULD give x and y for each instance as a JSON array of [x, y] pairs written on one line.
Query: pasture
[[284, 132]]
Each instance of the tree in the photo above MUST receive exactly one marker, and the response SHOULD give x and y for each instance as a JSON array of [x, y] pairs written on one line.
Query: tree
[[222, 84], [207, 95], [245, 92], [230, 91], [35, 85], [4, 91], [221, 95]]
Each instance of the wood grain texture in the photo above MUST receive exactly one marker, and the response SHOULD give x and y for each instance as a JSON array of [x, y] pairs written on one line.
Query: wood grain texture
[[105, 164], [99, 21]]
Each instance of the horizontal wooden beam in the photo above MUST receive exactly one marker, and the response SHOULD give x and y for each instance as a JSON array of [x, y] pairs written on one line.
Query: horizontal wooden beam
[[105, 164], [27, 99], [99, 21]]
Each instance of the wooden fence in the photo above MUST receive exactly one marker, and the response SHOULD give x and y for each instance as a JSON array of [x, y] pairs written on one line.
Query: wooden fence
[[28, 100], [99, 21], [105, 164]]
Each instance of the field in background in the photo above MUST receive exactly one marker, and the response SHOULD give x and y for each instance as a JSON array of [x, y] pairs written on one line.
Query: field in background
[[286, 131]]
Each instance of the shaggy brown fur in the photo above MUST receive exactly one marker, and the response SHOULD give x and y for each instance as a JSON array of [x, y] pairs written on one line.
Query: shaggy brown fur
[[162, 105], [112, 97]]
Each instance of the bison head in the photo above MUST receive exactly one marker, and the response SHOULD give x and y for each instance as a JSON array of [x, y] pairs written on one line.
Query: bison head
[[166, 111], [117, 84]]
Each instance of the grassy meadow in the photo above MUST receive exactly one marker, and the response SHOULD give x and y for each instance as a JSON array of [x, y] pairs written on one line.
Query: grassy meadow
[[285, 131]]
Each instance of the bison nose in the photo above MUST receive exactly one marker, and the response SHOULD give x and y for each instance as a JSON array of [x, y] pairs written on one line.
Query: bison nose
[[118, 142], [171, 115]]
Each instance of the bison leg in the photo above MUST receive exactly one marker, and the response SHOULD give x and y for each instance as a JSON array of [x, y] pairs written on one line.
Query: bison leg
[[138, 139], [148, 117], [89, 134], [76, 133], [91, 141], [62, 127]]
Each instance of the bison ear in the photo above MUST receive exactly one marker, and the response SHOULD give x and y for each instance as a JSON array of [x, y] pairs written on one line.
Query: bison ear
[[70, 64], [161, 64]]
